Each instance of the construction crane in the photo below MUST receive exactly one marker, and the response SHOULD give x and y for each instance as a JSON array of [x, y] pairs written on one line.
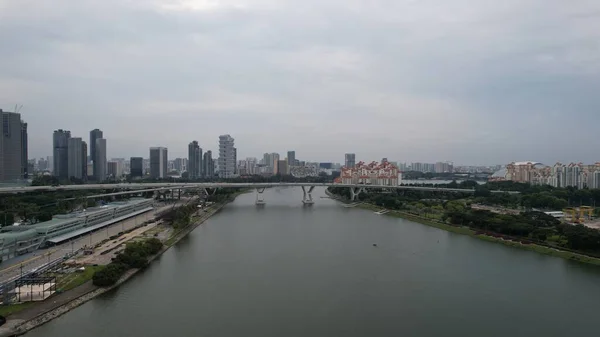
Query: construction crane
[[18, 108]]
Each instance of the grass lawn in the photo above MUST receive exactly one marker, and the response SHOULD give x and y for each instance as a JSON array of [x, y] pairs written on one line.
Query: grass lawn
[[78, 278], [6, 310]]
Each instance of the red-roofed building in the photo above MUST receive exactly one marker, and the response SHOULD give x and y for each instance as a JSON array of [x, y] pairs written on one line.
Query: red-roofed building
[[374, 173]]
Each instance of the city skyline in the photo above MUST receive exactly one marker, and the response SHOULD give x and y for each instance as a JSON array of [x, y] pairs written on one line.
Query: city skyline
[[488, 84]]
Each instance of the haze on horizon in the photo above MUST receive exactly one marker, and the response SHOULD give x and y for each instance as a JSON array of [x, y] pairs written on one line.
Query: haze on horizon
[[475, 82]]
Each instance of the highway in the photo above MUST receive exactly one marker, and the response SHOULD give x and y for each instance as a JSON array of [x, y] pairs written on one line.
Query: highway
[[175, 186], [12, 267]]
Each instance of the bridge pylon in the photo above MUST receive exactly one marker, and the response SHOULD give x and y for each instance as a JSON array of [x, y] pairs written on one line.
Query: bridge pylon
[[355, 191], [260, 199], [307, 195]]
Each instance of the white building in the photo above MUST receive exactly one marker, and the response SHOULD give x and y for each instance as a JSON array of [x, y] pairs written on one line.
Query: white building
[[227, 157]]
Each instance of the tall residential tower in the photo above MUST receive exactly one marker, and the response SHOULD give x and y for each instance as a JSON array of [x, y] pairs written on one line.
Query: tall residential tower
[[227, 157], [13, 147]]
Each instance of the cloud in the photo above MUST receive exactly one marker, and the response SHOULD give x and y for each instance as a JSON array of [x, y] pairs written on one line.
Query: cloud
[[474, 82]]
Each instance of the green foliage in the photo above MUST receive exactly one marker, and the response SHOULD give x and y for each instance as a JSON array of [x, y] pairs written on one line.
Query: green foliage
[[109, 275], [135, 255]]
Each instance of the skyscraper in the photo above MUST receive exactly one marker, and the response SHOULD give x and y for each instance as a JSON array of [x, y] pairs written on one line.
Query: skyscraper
[[61, 153], [13, 147], [100, 160], [274, 162], [350, 160], [114, 168], [136, 167], [76, 158], [94, 135], [195, 169], [209, 165], [227, 157], [291, 158], [158, 162], [282, 167], [24, 151]]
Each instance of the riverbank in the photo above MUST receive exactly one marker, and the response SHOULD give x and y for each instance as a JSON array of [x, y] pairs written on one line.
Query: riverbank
[[546, 250], [40, 313]]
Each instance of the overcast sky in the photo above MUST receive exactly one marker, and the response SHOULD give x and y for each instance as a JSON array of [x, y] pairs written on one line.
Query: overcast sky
[[472, 81]]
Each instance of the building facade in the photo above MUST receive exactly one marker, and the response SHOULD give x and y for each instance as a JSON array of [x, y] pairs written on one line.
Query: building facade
[[208, 165], [136, 167], [158, 162], [94, 134], [100, 168], [61, 153], [282, 167], [227, 157], [375, 173], [77, 158], [559, 175], [350, 160], [291, 158], [195, 168], [13, 147]]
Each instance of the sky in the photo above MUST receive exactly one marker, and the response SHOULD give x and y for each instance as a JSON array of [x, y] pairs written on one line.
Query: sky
[[473, 82]]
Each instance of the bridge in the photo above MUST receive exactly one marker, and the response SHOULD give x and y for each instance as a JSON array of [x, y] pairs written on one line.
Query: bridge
[[307, 188]]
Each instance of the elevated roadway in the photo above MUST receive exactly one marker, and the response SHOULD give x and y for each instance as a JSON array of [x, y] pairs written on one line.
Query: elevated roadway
[[183, 186]]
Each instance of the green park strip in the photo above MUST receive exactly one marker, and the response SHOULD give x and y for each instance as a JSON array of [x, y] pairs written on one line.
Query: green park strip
[[467, 231], [78, 278], [7, 310]]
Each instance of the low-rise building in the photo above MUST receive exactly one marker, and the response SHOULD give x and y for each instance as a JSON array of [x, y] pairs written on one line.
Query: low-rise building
[[374, 173]]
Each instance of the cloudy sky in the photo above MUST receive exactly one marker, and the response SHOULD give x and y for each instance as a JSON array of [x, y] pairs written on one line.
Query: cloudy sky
[[476, 82]]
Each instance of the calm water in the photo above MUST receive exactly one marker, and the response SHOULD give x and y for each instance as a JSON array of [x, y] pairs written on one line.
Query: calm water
[[286, 270]]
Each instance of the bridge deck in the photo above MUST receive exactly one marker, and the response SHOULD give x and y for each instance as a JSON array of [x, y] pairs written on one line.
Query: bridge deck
[[160, 186]]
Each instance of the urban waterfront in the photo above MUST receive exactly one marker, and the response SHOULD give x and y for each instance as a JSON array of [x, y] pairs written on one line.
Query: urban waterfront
[[290, 270]]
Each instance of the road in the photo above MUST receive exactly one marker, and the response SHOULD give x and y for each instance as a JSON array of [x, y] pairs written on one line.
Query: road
[[12, 268], [175, 186]]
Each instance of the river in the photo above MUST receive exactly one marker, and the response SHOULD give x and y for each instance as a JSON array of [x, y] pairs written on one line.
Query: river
[[286, 270]]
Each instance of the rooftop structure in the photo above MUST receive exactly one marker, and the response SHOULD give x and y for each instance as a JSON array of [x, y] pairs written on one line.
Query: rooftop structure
[[18, 240]]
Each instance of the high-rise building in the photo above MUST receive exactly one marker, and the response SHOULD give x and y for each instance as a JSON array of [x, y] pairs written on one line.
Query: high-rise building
[[209, 165], [24, 151], [350, 160], [114, 168], [274, 162], [13, 147], [195, 169], [61, 153], [77, 158], [291, 158], [100, 160], [227, 157], [158, 162], [235, 170], [282, 167], [136, 167], [94, 134]]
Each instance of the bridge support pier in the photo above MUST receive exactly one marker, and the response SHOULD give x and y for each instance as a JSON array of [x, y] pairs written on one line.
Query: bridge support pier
[[260, 199], [307, 195], [355, 191]]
